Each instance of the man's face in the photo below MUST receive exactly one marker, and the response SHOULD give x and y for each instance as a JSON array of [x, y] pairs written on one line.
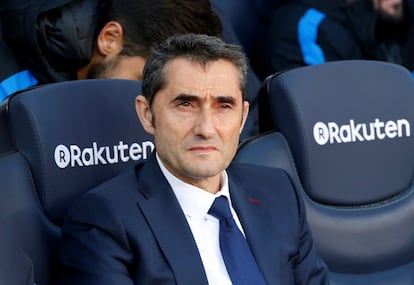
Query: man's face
[[118, 66], [197, 119], [389, 9]]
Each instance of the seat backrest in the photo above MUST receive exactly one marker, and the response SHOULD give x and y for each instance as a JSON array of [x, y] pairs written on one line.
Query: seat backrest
[[65, 138], [349, 127]]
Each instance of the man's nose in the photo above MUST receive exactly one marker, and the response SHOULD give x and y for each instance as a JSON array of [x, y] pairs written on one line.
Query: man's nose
[[204, 125]]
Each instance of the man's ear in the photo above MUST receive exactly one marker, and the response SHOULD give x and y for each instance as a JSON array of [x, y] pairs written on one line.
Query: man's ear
[[144, 113], [110, 39], [245, 113]]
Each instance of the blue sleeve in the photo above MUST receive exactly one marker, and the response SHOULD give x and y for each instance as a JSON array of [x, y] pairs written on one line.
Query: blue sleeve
[[18, 81], [308, 27]]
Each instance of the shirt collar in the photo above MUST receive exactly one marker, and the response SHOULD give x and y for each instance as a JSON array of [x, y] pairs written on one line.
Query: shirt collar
[[194, 201]]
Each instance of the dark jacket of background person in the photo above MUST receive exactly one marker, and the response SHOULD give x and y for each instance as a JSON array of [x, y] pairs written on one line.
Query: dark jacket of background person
[[306, 32], [27, 34]]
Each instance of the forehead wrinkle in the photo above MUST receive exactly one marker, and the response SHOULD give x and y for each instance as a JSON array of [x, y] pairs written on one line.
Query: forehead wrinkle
[[206, 83]]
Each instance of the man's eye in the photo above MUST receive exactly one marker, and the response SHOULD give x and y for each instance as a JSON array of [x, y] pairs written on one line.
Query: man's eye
[[226, 106], [184, 104]]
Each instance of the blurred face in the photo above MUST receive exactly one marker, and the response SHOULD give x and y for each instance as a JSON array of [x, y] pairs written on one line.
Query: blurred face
[[196, 120], [389, 9], [118, 66]]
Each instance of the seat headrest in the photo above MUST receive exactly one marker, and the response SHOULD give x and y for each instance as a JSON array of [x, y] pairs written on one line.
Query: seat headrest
[[350, 126], [74, 135]]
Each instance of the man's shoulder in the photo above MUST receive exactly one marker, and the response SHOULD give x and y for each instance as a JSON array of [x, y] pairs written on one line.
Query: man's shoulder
[[271, 183], [246, 171], [120, 187], [124, 180], [113, 197], [261, 178]]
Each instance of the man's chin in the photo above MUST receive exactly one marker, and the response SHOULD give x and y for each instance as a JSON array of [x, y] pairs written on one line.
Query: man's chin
[[200, 171]]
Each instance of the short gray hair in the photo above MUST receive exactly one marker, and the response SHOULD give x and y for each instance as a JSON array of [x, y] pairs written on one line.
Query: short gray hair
[[197, 48]]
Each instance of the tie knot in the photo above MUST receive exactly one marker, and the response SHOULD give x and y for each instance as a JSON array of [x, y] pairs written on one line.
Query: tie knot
[[220, 208]]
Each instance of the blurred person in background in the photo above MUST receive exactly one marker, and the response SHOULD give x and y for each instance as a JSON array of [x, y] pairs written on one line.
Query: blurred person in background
[[306, 32], [77, 39], [62, 40]]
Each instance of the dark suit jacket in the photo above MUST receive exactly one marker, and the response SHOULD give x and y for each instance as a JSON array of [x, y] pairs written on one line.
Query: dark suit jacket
[[131, 230]]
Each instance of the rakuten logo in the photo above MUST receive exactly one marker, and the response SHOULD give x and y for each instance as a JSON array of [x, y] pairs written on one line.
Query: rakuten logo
[[75, 156], [378, 130]]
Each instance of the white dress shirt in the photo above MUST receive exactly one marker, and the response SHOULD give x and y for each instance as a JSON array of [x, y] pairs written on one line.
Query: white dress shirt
[[195, 203]]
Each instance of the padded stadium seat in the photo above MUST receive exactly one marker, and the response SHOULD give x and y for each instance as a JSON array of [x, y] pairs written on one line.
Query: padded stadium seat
[[349, 126], [64, 139]]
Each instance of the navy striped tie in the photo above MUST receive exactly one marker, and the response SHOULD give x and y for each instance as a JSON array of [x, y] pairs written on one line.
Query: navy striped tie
[[240, 263]]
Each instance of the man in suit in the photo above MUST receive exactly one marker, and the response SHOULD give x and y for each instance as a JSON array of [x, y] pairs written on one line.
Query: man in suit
[[158, 224], [15, 266]]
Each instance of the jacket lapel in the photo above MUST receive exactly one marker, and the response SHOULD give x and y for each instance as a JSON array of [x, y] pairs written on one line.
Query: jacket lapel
[[257, 225], [169, 225]]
